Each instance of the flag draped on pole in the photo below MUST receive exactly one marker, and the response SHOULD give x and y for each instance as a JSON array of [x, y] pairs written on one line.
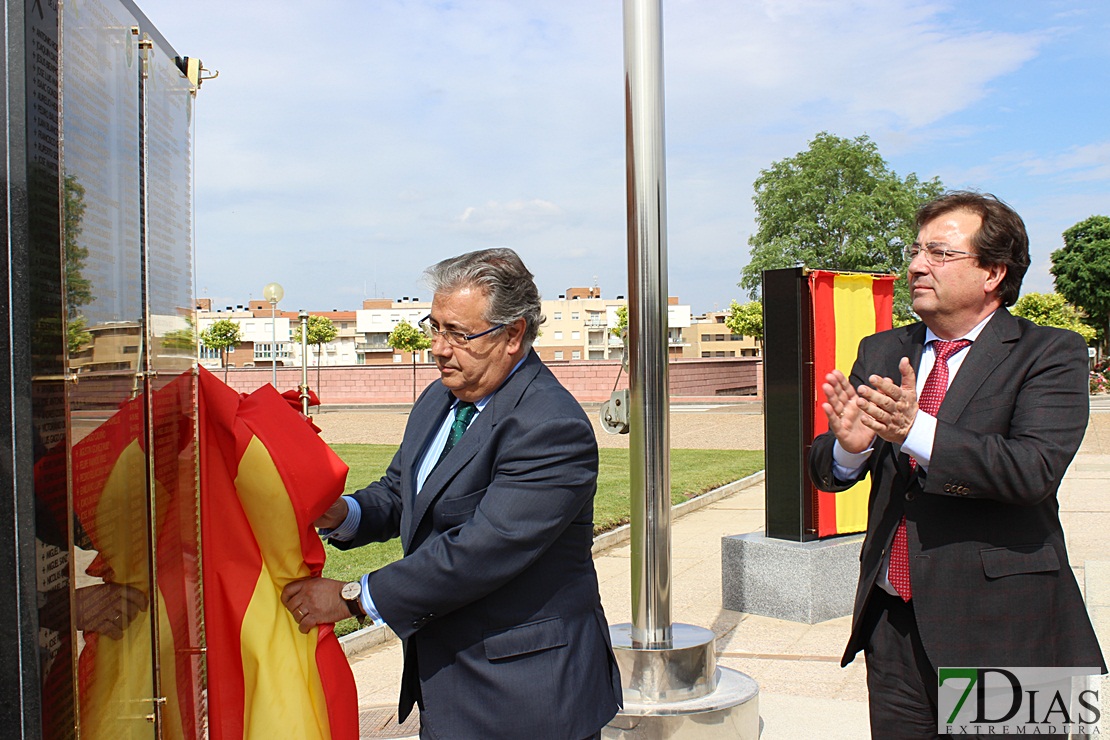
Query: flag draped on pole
[[846, 308], [265, 477]]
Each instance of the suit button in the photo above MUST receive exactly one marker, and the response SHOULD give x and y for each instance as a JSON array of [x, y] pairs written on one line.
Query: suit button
[[910, 496]]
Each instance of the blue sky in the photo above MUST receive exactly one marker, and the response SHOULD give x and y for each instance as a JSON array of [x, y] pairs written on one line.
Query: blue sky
[[347, 145]]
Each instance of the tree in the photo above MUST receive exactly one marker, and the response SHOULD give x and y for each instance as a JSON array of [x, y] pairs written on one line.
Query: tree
[[222, 334], [835, 206], [408, 338], [78, 287], [622, 323], [184, 340], [746, 321], [321, 330], [1051, 309], [1082, 270]]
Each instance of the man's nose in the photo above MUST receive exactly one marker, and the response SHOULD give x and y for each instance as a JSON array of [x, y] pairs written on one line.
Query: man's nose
[[440, 346]]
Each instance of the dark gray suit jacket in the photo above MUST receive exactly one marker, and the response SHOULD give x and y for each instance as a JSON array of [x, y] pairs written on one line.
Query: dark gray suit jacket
[[496, 598], [992, 585]]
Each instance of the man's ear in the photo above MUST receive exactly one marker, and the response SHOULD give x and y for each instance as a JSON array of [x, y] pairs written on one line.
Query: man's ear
[[515, 332], [995, 275]]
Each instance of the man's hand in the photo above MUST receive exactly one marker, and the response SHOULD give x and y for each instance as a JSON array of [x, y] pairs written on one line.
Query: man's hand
[[844, 414], [888, 409], [334, 516], [108, 608], [314, 601]]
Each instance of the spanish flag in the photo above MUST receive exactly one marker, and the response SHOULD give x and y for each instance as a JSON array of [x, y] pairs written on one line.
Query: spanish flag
[[846, 308], [265, 477]]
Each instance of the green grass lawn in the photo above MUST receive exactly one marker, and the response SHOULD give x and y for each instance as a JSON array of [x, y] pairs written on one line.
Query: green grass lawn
[[693, 472]]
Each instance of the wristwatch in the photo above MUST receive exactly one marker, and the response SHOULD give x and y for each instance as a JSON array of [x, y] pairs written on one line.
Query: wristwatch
[[350, 594]]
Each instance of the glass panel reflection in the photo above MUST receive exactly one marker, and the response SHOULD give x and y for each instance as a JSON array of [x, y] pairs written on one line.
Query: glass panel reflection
[[108, 459], [167, 119], [56, 650]]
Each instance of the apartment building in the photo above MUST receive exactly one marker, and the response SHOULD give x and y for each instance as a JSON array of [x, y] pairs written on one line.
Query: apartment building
[[708, 336], [579, 326]]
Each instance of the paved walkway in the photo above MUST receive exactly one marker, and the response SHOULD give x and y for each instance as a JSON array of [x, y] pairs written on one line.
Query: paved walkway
[[803, 691]]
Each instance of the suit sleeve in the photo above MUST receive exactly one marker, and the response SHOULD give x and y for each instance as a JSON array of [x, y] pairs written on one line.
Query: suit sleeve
[[380, 509], [1042, 403], [544, 475]]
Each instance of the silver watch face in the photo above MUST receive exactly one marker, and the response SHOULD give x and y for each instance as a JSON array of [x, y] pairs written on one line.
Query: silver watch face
[[351, 591]]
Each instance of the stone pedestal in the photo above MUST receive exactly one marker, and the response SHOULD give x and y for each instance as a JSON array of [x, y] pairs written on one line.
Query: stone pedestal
[[806, 582]]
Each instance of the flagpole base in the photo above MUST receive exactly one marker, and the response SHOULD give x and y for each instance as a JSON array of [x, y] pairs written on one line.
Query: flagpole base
[[679, 692]]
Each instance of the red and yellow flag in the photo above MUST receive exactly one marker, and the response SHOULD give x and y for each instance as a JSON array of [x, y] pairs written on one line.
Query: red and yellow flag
[[846, 308], [265, 477]]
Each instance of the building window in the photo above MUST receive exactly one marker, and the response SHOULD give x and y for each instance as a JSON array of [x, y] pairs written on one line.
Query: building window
[[706, 353], [397, 358], [574, 316], [558, 316], [720, 319], [558, 354], [719, 353], [719, 337], [558, 335], [705, 337], [576, 335], [576, 355]]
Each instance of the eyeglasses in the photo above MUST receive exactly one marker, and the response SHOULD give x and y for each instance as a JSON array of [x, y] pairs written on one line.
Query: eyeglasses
[[935, 254], [453, 338]]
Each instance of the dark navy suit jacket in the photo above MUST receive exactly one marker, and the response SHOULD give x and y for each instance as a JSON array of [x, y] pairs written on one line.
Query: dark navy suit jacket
[[992, 585], [496, 597]]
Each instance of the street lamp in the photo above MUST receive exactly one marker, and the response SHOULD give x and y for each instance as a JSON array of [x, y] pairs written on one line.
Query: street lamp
[[303, 316], [273, 293]]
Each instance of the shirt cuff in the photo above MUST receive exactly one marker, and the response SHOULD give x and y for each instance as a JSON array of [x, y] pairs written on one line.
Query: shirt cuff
[[346, 531], [919, 441], [848, 465], [367, 601]]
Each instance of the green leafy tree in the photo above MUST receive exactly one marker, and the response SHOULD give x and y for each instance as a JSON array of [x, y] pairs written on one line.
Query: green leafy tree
[[78, 287], [835, 206], [622, 322], [184, 340], [79, 335], [223, 333], [1082, 270], [321, 330], [746, 321], [408, 338], [1052, 309]]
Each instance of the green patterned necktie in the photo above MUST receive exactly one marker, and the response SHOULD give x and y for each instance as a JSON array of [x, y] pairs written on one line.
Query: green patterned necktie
[[464, 412]]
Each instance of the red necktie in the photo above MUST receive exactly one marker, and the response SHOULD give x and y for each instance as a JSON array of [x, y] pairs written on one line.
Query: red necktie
[[936, 385]]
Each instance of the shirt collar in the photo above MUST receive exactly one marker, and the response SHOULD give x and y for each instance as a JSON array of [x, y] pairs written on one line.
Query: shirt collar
[[971, 336], [481, 402]]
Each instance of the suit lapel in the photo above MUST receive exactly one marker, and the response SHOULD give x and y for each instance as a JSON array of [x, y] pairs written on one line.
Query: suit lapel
[[984, 355], [912, 346], [504, 400], [424, 420]]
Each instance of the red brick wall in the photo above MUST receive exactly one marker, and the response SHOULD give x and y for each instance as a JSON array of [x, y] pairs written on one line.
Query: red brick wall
[[588, 380]]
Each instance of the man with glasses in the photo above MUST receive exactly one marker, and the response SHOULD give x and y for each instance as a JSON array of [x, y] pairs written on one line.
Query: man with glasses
[[491, 493], [966, 423]]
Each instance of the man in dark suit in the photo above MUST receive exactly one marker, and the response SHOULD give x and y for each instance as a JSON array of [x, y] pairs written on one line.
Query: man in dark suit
[[964, 562], [496, 598]]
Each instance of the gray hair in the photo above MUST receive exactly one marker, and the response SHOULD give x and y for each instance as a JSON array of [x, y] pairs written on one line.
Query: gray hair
[[501, 275]]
